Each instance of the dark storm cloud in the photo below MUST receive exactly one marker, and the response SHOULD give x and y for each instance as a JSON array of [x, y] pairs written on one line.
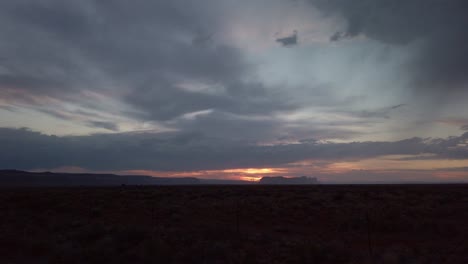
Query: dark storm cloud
[[136, 52], [437, 28], [25, 149]]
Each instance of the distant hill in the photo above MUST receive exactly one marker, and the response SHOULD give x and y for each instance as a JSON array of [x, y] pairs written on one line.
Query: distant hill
[[11, 178], [288, 180]]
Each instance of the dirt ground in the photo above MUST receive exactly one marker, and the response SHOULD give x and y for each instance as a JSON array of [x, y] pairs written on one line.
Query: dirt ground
[[236, 224]]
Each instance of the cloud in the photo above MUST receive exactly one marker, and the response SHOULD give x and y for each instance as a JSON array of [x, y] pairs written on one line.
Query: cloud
[[165, 101], [435, 28], [383, 112], [262, 128], [210, 68], [57, 114], [288, 41], [146, 63], [462, 123], [338, 36], [7, 108], [26, 149], [103, 124], [134, 53], [397, 106]]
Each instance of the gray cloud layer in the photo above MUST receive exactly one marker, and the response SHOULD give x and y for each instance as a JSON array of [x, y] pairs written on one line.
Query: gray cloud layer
[[137, 52], [25, 149], [437, 28], [159, 60]]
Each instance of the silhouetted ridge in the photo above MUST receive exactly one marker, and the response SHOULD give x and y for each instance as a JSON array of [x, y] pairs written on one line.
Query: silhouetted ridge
[[23, 178]]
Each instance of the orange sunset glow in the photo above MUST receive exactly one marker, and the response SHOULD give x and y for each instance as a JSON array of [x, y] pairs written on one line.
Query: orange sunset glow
[[245, 174], [250, 178], [254, 171]]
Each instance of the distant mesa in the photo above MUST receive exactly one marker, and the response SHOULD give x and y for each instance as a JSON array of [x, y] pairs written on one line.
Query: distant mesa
[[288, 180], [16, 178]]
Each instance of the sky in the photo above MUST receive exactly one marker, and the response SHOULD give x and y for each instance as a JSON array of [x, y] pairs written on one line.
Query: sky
[[345, 91]]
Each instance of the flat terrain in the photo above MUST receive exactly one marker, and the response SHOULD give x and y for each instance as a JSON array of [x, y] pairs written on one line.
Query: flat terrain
[[236, 224]]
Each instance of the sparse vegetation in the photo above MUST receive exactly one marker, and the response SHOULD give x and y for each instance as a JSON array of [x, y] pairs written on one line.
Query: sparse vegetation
[[235, 224]]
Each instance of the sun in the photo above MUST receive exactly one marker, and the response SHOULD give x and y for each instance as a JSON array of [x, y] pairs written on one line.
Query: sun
[[252, 174]]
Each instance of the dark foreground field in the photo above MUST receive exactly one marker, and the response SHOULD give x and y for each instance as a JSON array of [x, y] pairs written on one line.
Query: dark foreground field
[[235, 224]]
